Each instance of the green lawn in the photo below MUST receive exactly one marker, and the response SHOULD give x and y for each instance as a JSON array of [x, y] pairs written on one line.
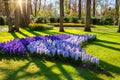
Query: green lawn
[[106, 48], [3, 26]]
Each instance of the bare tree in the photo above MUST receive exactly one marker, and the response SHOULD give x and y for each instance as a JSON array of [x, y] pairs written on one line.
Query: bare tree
[[35, 4], [39, 5], [7, 12], [94, 8], [117, 8], [70, 5], [118, 25], [88, 15], [117, 14], [31, 8], [17, 15], [28, 11], [79, 12], [61, 16]]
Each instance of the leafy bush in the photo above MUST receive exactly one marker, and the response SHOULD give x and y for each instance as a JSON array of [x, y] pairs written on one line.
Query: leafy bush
[[83, 20], [66, 19], [102, 21], [2, 21], [37, 27], [39, 20], [58, 20], [95, 21], [75, 20], [53, 19], [108, 21]]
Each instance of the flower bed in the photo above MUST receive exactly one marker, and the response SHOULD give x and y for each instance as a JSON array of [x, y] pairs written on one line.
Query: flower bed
[[70, 25], [65, 45]]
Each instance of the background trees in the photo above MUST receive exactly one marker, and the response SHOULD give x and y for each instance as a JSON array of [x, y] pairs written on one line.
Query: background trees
[[104, 12]]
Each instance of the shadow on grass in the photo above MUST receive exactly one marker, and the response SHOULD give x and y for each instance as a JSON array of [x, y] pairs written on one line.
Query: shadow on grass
[[25, 35], [49, 32], [13, 76], [52, 32], [106, 46], [14, 35], [106, 33], [50, 75], [105, 41], [32, 32], [101, 43]]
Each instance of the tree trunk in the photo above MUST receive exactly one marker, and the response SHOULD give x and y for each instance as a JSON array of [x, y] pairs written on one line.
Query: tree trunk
[[70, 6], [63, 9], [61, 16], [35, 4], [7, 12], [94, 1], [117, 8], [23, 22], [28, 11], [39, 5], [79, 12], [118, 25], [88, 15], [17, 15], [117, 14], [31, 9]]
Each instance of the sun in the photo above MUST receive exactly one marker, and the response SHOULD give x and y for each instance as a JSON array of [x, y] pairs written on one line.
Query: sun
[[19, 1]]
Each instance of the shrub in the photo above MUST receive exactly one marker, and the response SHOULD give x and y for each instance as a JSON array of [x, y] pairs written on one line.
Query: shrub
[[2, 21], [39, 20], [58, 20], [95, 21], [53, 19], [75, 20], [108, 21], [37, 27], [83, 20], [66, 19]]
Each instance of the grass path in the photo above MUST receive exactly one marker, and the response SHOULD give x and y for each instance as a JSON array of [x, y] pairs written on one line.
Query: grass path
[[106, 48]]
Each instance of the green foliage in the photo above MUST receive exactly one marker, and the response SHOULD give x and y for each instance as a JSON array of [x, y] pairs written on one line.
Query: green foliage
[[102, 21], [75, 20], [53, 19], [39, 20], [38, 27], [58, 20], [66, 19], [95, 21], [108, 21], [2, 21]]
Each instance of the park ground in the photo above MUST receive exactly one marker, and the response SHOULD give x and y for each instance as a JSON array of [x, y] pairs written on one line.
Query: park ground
[[106, 48]]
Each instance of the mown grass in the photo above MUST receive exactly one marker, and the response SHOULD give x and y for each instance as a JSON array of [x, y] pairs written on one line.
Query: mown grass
[[106, 48], [3, 26]]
